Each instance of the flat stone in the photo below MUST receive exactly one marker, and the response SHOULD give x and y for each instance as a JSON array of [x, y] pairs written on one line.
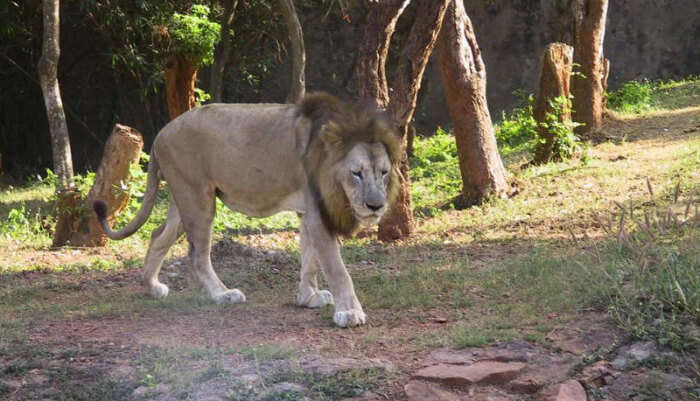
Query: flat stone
[[570, 390], [536, 376], [595, 375], [484, 372], [331, 366], [417, 390], [513, 351], [288, 387], [633, 354]]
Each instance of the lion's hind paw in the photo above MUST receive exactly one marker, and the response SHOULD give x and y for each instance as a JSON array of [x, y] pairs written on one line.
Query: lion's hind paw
[[159, 290], [349, 318], [317, 299], [230, 296]]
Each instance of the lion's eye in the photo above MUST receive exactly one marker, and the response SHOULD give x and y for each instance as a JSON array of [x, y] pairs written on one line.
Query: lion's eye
[[384, 173], [357, 174]]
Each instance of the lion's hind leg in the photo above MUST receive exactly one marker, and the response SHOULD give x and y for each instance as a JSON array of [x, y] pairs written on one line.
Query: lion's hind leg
[[201, 205], [161, 240], [309, 295]]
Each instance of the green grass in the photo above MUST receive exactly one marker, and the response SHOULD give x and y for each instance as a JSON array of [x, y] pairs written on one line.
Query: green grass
[[636, 97]]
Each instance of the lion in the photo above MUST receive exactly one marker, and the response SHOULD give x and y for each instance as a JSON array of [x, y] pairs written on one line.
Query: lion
[[333, 163]]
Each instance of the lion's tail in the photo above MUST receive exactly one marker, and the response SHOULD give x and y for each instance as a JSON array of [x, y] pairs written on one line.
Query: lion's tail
[[149, 199]]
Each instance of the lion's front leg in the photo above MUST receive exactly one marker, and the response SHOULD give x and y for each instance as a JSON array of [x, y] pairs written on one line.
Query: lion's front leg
[[309, 295], [348, 311]]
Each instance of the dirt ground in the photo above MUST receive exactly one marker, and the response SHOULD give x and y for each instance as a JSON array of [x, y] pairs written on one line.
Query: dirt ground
[[112, 348]]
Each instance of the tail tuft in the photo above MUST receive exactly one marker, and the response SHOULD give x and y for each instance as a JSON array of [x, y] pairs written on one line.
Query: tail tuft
[[101, 209]]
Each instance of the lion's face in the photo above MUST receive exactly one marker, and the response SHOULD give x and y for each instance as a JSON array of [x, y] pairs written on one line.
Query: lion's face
[[364, 174]]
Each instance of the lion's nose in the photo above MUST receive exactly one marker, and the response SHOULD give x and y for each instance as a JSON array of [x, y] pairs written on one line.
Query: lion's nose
[[372, 207]]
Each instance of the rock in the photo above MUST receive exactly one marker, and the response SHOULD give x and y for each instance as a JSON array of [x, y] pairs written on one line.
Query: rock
[[665, 386], [422, 391], [570, 390], [596, 374], [484, 372], [542, 369], [331, 366], [249, 378], [287, 387], [513, 351], [631, 355]]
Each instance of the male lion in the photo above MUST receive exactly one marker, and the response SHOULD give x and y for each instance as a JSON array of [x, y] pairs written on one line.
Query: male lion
[[333, 163]]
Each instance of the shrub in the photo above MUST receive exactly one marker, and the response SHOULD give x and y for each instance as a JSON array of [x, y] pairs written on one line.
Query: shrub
[[632, 97], [193, 35]]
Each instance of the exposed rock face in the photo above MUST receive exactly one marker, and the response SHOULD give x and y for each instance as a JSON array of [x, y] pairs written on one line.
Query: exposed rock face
[[570, 390], [484, 372], [421, 391]]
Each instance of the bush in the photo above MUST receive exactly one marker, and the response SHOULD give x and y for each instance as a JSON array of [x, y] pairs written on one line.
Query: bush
[[518, 131], [193, 35], [434, 171], [632, 97]]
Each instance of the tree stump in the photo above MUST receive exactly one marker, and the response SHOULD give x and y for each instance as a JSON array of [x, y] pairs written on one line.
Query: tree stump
[[555, 76], [69, 207], [82, 228]]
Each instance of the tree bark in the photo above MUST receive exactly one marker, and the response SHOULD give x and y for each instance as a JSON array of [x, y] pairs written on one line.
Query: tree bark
[[121, 150], [180, 78], [297, 87], [464, 79], [555, 76], [372, 53], [222, 53], [398, 223], [589, 17], [48, 77]]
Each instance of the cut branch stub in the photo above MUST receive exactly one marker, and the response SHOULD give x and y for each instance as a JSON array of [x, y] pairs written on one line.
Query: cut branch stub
[[555, 76]]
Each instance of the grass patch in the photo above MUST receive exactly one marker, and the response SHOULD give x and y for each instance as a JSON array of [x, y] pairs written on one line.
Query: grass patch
[[636, 97]]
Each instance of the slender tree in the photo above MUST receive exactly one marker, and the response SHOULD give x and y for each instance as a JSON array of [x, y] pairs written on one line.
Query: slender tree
[[296, 39], [464, 80], [48, 70], [222, 52], [589, 18], [402, 104]]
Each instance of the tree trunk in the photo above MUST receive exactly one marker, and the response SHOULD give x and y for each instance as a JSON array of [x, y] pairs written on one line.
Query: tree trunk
[[589, 17], [297, 88], [121, 150], [180, 77], [48, 69], [402, 104], [555, 75], [464, 79], [374, 48], [222, 54]]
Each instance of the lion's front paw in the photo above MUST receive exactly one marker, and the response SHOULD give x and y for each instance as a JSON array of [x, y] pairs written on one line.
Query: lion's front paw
[[230, 296], [349, 318], [317, 299], [159, 290]]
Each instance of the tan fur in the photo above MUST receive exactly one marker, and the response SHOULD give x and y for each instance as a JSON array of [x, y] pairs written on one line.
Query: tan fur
[[334, 163]]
